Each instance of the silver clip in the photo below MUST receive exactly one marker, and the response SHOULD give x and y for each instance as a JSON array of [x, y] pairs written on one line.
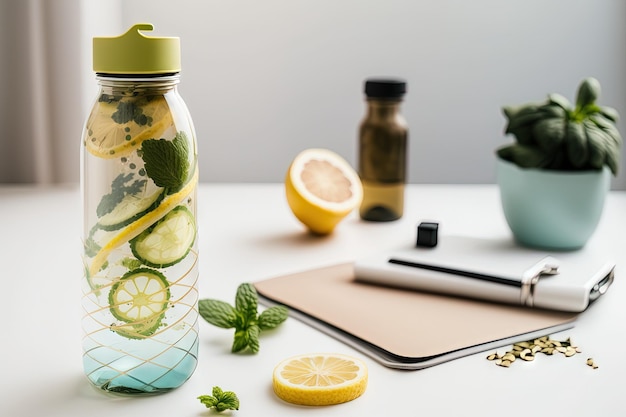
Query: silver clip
[[547, 266]]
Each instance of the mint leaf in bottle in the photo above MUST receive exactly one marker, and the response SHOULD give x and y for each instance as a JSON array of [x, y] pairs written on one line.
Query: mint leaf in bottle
[[167, 161]]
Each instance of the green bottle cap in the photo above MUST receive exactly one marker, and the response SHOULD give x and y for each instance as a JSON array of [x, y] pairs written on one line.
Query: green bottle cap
[[136, 53]]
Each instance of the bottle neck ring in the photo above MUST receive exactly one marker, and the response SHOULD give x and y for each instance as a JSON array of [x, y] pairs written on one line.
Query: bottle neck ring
[[168, 79]]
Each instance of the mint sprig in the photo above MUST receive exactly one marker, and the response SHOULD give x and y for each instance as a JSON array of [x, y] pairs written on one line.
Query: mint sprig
[[167, 161], [243, 317], [220, 400]]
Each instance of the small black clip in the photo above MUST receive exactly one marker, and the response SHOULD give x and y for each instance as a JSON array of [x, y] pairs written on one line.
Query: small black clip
[[427, 234]]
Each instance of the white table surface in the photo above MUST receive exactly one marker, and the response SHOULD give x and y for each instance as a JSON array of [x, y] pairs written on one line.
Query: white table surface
[[247, 233]]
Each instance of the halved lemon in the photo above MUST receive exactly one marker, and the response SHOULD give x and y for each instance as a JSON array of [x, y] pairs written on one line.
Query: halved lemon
[[139, 297], [320, 379], [168, 242], [322, 188], [106, 137]]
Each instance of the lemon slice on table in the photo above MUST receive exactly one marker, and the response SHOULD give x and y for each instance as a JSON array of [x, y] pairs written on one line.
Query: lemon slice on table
[[321, 189], [114, 129], [139, 297], [168, 242], [320, 379]]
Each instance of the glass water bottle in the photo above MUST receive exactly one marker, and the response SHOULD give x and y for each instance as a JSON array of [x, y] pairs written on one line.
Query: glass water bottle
[[138, 181], [383, 142]]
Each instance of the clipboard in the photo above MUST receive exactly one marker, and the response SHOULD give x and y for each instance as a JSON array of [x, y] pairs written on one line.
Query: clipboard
[[495, 270], [403, 329]]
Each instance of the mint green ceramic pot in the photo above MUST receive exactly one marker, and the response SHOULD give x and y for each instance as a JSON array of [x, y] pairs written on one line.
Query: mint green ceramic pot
[[552, 209]]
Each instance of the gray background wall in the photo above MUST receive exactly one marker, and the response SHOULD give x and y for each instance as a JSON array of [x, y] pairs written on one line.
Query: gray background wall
[[267, 79]]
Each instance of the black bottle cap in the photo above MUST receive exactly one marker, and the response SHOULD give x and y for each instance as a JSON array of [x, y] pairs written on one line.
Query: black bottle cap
[[385, 88], [427, 234]]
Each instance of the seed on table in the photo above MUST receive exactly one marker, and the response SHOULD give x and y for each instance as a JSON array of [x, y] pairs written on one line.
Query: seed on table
[[591, 363], [527, 355], [509, 357], [570, 352], [504, 363]]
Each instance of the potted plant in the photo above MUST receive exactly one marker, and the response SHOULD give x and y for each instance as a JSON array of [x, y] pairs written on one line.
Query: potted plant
[[554, 178]]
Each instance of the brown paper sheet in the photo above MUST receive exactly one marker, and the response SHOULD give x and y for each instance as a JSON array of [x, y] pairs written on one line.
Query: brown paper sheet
[[400, 328]]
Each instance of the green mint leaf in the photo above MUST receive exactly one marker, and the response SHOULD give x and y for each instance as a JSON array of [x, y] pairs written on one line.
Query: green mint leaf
[[107, 98], [131, 110], [208, 400], [91, 247], [246, 339], [588, 92], [253, 338], [246, 302], [167, 161], [229, 401], [272, 317], [241, 341], [131, 263], [125, 112], [218, 313], [243, 317], [119, 190], [136, 187], [220, 400]]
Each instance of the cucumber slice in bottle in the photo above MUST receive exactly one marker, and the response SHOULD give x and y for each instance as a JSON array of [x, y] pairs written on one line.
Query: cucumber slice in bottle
[[167, 242], [130, 209], [139, 297]]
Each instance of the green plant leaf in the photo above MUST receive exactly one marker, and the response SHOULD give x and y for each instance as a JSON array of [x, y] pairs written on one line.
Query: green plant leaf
[[602, 148], [560, 101], [243, 317], [524, 156], [549, 133], [272, 317], [597, 148], [167, 161], [577, 149], [253, 338], [240, 341], [609, 113], [220, 400], [521, 116], [588, 93], [119, 189], [555, 136], [218, 313], [246, 301]]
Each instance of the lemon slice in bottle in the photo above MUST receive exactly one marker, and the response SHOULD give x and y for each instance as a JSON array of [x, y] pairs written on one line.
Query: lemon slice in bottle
[[115, 128], [320, 379], [168, 242], [139, 297], [322, 189]]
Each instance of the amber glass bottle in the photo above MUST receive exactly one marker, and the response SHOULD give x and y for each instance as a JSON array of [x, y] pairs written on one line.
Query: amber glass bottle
[[383, 142]]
